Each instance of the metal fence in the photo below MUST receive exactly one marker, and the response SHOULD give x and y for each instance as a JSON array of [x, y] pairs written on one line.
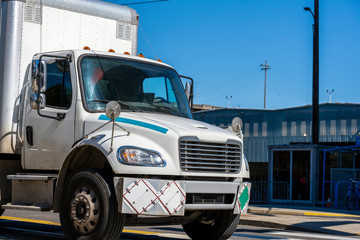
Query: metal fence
[[260, 191]]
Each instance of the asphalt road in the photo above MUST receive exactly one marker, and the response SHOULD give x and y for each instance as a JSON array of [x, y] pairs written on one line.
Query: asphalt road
[[24, 225]]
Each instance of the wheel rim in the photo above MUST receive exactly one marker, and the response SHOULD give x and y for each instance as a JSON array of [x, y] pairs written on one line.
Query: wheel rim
[[84, 211]]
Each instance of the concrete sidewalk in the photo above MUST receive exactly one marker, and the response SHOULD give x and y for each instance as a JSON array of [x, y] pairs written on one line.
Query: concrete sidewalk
[[310, 219]]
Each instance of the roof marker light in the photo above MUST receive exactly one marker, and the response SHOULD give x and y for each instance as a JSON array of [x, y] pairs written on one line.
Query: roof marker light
[[86, 48], [111, 50], [158, 60], [141, 55], [126, 53]]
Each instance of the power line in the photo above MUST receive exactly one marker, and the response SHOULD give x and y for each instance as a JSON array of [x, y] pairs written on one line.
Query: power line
[[127, 4], [241, 76], [147, 40]]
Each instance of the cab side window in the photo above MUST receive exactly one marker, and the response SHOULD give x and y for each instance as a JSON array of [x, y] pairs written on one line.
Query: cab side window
[[58, 85]]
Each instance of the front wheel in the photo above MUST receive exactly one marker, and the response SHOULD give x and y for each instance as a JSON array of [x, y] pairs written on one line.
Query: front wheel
[[89, 208], [213, 225]]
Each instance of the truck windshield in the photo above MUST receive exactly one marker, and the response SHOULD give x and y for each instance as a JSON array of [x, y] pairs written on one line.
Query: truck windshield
[[135, 85]]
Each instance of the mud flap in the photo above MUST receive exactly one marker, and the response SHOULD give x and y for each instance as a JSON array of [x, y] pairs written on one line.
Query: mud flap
[[242, 201]]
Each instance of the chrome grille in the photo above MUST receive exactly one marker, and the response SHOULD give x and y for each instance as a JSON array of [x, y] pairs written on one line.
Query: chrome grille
[[210, 157]]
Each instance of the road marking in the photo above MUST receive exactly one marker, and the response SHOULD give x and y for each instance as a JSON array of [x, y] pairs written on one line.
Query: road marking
[[329, 214], [165, 235], [29, 220], [313, 236], [140, 232], [261, 237], [174, 235], [168, 235]]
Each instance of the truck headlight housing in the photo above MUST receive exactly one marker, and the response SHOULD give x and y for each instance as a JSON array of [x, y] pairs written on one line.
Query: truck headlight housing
[[141, 157]]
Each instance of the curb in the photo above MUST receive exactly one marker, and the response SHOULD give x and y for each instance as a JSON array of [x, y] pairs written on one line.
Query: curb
[[266, 224], [298, 213]]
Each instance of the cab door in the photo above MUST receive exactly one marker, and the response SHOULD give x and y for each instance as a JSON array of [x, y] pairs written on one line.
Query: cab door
[[48, 140]]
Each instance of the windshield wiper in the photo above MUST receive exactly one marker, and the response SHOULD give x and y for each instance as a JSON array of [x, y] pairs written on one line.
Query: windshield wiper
[[130, 106], [173, 109]]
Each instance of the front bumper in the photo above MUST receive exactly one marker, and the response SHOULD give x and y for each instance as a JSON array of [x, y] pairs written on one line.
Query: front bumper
[[160, 197]]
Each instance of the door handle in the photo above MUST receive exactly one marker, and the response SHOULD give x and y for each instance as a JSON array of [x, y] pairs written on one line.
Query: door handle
[[29, 135]]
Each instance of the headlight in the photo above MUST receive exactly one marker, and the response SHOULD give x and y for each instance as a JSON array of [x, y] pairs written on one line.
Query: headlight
[[139, 156]]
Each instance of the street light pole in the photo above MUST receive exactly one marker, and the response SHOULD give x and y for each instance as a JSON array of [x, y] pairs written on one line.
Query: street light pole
[[330, 92], [228, 99], [315, 125], [315, 98]]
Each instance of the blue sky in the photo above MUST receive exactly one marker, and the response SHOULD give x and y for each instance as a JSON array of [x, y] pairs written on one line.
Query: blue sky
[[221, 44]]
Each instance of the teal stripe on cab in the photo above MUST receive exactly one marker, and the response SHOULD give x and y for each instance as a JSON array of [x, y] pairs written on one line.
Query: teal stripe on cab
[[136, 123]]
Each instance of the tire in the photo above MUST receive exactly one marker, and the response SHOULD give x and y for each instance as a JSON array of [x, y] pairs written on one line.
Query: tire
[[89, 208], [350, 202], [214, 225]]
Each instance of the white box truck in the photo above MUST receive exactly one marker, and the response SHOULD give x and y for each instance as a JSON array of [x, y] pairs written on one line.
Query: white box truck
[[106, 138]]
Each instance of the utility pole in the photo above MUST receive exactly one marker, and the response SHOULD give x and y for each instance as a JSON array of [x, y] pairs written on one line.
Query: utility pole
[[265, 67]]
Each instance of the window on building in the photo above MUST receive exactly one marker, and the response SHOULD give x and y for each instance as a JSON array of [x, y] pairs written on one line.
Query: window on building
[[293, 128], [347, 160], [303, 128], [333, 127], [343, 127], [353, 126], [284, 129], [255, 129], [323, 128], [264, 129], [247, 130], [58, 85]]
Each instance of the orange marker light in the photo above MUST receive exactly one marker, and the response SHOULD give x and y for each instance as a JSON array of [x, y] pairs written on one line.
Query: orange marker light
[[126, 53], [141, 55], [158, 60], [86, 48], [111, 50]]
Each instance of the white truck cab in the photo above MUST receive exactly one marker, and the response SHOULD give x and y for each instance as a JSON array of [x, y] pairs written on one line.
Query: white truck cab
[[107, 139]]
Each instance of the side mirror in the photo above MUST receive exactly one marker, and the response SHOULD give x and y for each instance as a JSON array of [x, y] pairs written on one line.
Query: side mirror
[[188, 90], [38, 76], [35, 100]]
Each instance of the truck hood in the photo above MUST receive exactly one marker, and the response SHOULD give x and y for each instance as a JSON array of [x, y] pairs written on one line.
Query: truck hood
[[163, 124], [156, 132]]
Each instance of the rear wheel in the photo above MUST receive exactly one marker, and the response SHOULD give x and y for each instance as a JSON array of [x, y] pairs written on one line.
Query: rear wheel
[[89, 208], [350, 202], [213, 225]]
